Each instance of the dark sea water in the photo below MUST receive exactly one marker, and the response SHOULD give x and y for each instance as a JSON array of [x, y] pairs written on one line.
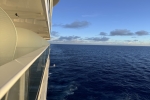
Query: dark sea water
[[90, 72]]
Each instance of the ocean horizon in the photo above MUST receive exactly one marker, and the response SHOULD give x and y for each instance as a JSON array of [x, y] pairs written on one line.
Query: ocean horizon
[[101, 44], [99, 72]]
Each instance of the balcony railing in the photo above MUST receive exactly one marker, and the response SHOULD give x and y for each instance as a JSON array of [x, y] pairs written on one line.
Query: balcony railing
[[24, 78]]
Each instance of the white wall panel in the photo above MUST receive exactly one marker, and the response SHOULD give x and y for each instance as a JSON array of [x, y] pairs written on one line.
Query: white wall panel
[[28, 41], [8, 38]]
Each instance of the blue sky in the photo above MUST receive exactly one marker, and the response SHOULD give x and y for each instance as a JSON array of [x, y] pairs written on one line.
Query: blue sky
[[104, 22]]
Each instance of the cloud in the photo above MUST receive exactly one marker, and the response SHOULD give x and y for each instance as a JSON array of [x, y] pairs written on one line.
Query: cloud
[[133, 37], [67, 38], [125, 32], [128, 40], [74, 25], [77, 39], [121, 32], [140, 33], [54, 33], [77, 24], [131, 40], [103, 33], [98, 39]]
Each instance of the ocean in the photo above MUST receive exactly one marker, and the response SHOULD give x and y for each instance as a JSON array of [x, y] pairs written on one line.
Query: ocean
[[95, 72]]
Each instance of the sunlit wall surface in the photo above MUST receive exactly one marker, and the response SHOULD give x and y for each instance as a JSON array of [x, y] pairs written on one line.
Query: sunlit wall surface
[[28, 41], [16, 42], [8, 38]]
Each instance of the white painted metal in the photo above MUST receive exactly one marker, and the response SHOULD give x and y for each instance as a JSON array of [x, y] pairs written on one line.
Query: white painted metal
[[22, 87], [8, 38], [17, 69]]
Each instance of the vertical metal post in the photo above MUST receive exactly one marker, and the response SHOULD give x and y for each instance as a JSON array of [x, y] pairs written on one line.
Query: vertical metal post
[[22, 88]]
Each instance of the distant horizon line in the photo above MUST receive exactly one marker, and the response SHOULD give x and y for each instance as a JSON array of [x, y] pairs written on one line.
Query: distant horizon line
[[101, 44]]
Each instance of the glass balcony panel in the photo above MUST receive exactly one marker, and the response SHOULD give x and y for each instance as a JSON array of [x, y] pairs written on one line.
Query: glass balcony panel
[[27, 87], [14, 92], [36, 74]]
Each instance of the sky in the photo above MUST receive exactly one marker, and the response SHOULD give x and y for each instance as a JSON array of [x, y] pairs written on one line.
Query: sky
[[101, 22]]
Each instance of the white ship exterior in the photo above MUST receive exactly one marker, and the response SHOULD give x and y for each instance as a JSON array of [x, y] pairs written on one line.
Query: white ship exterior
[[25, 27]]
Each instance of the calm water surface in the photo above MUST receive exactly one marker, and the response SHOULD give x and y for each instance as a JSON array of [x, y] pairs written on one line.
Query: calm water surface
[[90, 72]]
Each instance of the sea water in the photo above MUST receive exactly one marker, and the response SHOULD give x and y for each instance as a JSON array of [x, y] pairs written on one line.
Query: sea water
[[94, 72]]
